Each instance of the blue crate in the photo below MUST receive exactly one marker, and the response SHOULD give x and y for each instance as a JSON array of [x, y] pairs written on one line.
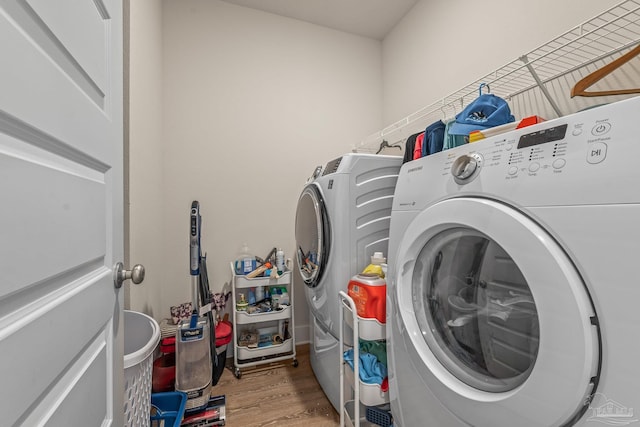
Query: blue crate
[[378, 416], [170, 408]]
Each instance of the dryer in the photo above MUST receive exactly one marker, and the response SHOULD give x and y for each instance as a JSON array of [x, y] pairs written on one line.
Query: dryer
[[512, 287], [342, 218]]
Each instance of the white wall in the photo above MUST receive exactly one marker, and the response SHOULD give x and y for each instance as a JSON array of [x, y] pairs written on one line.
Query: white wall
[[252, 103], [442, 45], [235, 107], [146, 176]]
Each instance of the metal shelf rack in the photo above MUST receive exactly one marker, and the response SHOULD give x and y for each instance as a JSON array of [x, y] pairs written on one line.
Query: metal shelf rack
[[539, 81], [285, 348], [355, 395]]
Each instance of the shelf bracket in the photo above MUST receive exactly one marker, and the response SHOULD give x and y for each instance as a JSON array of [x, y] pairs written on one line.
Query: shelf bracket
[[542, 87]]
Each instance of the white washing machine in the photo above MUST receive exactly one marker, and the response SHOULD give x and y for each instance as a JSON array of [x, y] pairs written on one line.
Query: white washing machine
[[513, 295], [342, 218]]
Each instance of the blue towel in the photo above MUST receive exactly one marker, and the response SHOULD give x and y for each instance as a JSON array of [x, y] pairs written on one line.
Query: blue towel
[[371, 370]]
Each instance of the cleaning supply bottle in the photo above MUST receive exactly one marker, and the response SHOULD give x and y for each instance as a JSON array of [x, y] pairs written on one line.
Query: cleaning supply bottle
[[259, 293], [242, 304], [245, 263], [377, 259], [280, 261], [276, 294], [284, 297], [369, 291]]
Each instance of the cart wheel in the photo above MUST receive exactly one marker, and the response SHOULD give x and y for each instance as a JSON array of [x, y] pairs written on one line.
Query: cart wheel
[[295, 363], [238, 373]]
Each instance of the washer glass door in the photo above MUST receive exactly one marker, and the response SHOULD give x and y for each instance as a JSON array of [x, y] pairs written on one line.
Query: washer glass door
[[474, 297], [496, 319], [312, 235]]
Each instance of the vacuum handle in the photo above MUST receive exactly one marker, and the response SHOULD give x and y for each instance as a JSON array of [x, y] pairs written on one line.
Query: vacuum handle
[[194, 239]]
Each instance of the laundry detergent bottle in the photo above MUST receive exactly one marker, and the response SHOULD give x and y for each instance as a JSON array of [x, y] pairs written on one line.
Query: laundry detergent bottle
[[376, 266], [245, 262], [369, 293]]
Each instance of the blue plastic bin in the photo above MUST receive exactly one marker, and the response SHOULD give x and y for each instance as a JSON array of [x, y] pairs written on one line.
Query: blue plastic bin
[[170, 408]]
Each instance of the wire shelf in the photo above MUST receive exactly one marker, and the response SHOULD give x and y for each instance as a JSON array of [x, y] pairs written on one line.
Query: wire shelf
[[544, 74]]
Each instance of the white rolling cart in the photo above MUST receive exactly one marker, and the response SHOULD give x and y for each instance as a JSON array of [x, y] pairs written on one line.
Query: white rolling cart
[[361, 395], [261, 337]]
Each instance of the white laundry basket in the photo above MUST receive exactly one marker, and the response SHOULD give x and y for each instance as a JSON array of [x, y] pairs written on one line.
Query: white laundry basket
[[141, 336]]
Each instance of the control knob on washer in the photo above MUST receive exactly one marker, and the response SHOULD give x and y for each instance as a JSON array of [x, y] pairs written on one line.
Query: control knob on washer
[[466, 167]]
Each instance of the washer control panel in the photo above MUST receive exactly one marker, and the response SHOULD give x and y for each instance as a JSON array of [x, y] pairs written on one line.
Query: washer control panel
[[587, 158], [548, 148]]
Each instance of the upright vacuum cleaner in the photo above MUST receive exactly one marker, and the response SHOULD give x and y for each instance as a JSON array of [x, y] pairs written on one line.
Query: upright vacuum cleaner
[[194, 370]]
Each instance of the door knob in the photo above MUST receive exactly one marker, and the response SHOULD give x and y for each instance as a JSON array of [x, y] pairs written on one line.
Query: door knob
[[136, 274]]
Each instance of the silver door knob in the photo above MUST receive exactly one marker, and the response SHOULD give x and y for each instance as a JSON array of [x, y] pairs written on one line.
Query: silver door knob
[[136, 274]]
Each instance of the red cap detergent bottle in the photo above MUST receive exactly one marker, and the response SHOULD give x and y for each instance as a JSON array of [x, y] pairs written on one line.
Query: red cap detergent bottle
[[368, 291]]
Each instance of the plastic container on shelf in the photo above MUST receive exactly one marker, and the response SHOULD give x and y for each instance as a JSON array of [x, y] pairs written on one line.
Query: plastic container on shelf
[[369, 293], [242, 303], [252, 353], [259, 293], [252, 296], [368, 329], [281, 312], [376, 266], [245, 262], [241, 281], [141, 336], [370, 394], [167, 409]]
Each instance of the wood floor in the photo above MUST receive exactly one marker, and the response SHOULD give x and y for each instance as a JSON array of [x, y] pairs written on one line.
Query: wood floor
[[278, 396]]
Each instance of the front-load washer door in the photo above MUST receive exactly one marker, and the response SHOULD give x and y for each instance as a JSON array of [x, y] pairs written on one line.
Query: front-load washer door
[[497, 320], [313, 235]]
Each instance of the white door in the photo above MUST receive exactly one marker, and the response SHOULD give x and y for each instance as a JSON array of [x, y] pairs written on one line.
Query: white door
[[61, 229]]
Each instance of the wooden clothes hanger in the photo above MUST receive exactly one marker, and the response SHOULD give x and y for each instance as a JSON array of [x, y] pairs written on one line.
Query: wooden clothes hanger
[[589, 80]]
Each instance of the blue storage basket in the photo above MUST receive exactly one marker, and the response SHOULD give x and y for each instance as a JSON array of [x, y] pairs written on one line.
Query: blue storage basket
[[379, 417], [169, 408]]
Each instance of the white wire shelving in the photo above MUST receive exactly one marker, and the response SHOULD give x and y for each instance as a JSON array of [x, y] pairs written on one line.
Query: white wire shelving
[[539, 81]]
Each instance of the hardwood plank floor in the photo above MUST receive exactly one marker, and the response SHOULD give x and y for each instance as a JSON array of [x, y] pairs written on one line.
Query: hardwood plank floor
[[276, 396]]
